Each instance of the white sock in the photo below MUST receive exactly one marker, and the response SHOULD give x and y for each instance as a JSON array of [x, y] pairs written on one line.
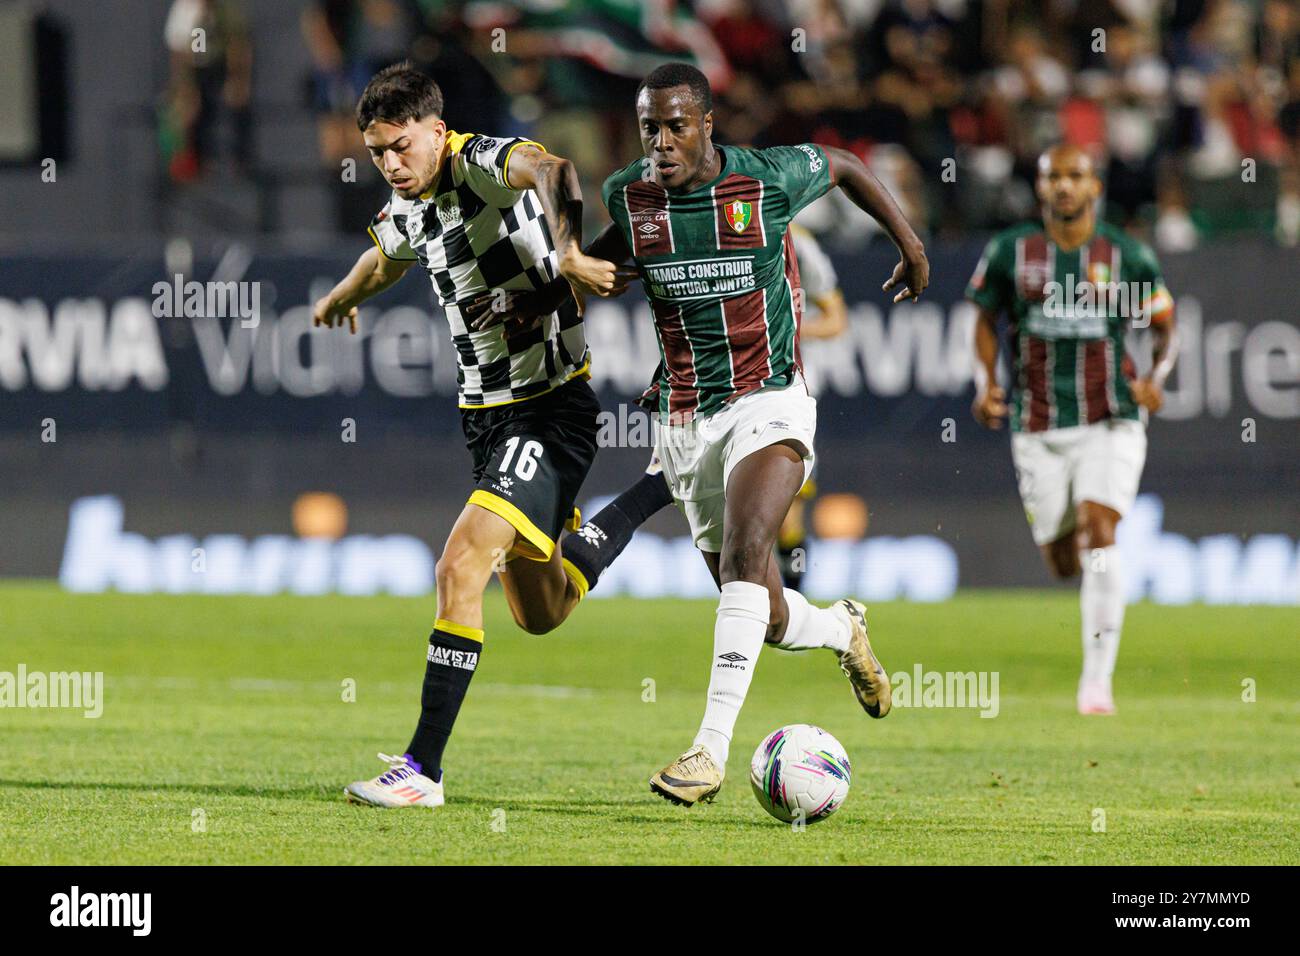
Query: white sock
[[813, 626], [1101, 600], [738, 633]]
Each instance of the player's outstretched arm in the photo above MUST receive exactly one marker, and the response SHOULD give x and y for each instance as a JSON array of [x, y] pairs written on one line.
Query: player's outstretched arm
[[372, 274], [857, 182], [555, 180], [990, 400], [522, 308]]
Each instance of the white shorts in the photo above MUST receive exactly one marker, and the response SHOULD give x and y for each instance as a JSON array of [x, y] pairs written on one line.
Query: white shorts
[[1061, 467], [699, 456]]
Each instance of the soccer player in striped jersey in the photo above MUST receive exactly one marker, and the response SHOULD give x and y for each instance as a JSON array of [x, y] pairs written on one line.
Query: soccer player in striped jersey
[[1071, 287], [707, 226], [497, 221]]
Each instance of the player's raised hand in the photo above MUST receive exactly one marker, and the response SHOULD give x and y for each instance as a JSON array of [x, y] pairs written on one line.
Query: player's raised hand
[[990, 407], [326, 311], [913, 273], [1147, 394]]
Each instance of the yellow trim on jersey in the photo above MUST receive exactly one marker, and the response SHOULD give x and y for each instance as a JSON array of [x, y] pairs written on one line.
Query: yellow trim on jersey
[[370, 230], [457, 141], [517, 519], [576, 576], [584, 372], [505, 167], [460, 630], [454, 144]]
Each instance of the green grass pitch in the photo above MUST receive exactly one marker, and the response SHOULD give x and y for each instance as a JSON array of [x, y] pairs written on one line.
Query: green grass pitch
[[225, 737]]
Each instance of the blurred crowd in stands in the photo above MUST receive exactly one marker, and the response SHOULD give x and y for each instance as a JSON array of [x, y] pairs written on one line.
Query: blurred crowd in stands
[[1190, 107]]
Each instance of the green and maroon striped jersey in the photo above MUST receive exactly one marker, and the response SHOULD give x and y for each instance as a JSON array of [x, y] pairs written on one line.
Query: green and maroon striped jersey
[[719, 269], [1069, 311]]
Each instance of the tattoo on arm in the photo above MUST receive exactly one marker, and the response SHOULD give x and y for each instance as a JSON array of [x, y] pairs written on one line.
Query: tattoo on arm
[[555, 179]]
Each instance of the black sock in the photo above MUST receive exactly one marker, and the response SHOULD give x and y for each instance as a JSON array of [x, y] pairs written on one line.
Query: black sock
[[792, 557], [451, 663], [598, 542]]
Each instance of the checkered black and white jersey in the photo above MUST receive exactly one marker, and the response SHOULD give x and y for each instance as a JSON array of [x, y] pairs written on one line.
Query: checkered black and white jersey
[[473, 233]]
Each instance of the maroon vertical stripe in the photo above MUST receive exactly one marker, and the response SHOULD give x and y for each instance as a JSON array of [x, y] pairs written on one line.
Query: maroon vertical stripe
[[1096, 404], [1099, 250], [679, 361], [1036, 382], [1032, 273], [738, 188], [647, 213], [751, 355]]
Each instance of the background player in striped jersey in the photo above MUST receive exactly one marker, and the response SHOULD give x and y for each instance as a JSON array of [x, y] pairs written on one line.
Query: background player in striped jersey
[[1071, 287], [828, 319], [707, 227], [498, 218]]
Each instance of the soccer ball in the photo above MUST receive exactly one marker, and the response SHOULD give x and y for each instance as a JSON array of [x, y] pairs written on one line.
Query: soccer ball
[[800, 772]]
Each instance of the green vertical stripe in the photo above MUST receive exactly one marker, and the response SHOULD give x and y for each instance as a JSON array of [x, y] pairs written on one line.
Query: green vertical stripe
[[1064, 394]]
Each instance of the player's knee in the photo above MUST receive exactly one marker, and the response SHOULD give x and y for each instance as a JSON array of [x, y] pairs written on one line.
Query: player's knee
[[1096, 529], [454, 575], [745, 558], [1100, 533]]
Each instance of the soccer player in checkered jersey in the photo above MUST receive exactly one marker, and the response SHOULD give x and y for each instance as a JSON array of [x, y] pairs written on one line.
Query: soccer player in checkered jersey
[[1071, 287], [707, 226], [496, 224]]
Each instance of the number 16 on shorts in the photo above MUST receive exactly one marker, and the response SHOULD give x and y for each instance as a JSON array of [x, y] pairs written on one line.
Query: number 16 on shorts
[[525, 463]]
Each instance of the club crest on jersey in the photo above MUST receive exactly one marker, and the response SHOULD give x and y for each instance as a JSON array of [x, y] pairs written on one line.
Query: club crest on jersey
[[1098, 273], [738, 214], [448, 209]]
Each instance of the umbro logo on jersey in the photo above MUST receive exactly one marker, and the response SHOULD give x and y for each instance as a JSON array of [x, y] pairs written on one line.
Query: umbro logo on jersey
[[732, 656], [647, 228], [785, 425], [447, 657]]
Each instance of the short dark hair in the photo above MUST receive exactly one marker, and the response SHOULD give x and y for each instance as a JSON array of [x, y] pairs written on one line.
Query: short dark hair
[[680, 74], [396, 94]]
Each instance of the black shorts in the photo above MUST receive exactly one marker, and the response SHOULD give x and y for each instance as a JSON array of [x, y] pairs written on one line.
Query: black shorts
[[530, 460]]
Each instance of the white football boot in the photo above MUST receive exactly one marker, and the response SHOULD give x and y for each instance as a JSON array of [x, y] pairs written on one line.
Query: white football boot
[[399, 786], [1095, 697]]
